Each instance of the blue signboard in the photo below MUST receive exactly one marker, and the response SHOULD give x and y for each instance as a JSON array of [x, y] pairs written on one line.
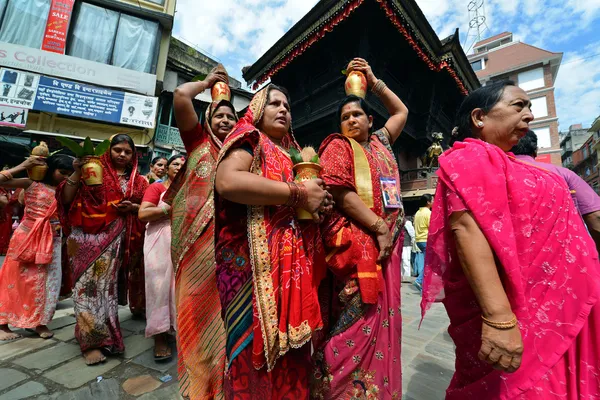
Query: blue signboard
[[92, 102]]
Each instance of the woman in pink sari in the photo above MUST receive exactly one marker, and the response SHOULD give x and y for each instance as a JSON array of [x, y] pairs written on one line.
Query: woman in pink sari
[[158, 268], [31, 274], [361, 356], [509, 257]]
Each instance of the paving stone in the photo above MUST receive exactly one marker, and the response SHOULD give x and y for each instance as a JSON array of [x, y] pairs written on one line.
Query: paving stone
[[137, 344], [140, 385], [134, 325], [25, 391], [76, 373], [22, 346], [47, 358], [61, 322], [147, 360], [107, 389], [169, 392], [9, 377], [65, 334], [124, 314]]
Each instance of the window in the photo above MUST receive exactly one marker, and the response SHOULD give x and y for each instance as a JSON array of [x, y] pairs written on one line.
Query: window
[[532, 79], [539, 107], [114, 38], [585, 152], [543, 135], [159, 2], [24, 21], [477, 65]]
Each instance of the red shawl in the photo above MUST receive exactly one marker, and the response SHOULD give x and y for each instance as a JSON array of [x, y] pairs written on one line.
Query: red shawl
[[547, 262], [283, 252]]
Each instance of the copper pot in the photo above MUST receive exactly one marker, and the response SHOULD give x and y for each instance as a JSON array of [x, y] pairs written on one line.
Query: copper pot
[[38, 172], [356, 84], [220, 91], [91, 172], [306, 171]]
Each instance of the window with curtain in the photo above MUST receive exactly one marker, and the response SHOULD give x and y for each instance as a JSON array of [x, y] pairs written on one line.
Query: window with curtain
[[93, 33], [135, 44], [159, 2], [24, 22]]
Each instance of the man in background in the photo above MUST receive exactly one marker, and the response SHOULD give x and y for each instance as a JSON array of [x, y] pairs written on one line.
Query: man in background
[[422, 218]]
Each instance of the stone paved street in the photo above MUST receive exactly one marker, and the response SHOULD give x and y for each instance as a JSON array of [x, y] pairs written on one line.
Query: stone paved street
[[53, 369]]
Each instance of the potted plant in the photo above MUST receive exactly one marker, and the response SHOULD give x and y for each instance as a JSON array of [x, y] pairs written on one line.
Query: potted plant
[[92, 170], [306, 167]]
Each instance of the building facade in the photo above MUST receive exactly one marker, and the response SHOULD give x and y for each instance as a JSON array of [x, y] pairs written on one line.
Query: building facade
[[534, 70], [81, 68], [571, 141], [585, 161]]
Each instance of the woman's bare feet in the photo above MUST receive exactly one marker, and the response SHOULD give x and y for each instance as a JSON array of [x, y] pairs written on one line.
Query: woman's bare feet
[[93, 356], [162, 349], [6, 334], [44, 332]]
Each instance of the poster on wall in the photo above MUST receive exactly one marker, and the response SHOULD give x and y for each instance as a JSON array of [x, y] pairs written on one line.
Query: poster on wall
[[15, 117], [92, 102], [55, 35], [17, 88]]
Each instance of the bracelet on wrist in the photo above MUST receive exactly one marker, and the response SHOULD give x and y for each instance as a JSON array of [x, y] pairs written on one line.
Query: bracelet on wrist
[[298, 195], [164, 209], [375, 226], [71, 182], [501, 325], [378, 88]]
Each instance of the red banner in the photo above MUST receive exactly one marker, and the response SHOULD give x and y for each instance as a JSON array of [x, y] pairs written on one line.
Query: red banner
[[55, 36], [545, 158]]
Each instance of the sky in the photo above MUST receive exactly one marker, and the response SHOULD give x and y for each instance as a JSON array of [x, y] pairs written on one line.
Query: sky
[[239, 32]]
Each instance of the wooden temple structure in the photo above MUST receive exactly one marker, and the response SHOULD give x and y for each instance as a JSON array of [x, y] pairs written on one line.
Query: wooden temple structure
[[430, 76]]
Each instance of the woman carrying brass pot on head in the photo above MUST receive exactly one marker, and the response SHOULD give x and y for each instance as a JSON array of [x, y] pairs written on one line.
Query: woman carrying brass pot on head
[[361, 357], [31, 274], [105, 247]]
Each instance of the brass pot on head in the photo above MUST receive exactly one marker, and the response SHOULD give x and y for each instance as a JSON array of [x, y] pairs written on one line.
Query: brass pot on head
[[306, 171], [356, 84], [220, 91], [38, 172], [91, 172]]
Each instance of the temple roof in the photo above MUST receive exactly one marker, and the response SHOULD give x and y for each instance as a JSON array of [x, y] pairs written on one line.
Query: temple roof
[[405, 15]]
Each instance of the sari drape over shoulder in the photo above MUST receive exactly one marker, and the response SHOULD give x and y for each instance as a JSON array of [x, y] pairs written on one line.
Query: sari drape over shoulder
[[200, 335], [266, 262], [549, 269], [360, 357], [5, 223], [106, 253], [31, 274]]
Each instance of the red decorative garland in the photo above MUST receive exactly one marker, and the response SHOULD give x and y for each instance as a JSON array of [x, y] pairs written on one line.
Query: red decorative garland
[[328, 27]]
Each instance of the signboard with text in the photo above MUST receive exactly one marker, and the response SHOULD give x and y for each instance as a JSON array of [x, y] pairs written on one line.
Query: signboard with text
[[79, 69], [86, 101], [14, 117], [18, 89], [545, 158], [55, 35]]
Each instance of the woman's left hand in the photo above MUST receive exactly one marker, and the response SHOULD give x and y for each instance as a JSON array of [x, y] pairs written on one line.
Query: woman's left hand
[[361, 65]]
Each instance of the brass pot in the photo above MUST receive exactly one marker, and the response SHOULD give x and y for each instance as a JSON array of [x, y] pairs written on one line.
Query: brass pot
[[91, 172], [37, 173], [220, 91], [356, 84], [306, 171]]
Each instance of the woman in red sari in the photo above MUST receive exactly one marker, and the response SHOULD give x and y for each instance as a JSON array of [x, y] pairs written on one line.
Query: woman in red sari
[[361, 356], [31, 274], [105, 247], [267, 261], [200, 333], [510, 258]]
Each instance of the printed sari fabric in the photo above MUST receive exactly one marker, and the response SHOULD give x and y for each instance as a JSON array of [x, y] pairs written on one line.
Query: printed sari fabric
[[549, 269], [158, 270], [5, 223], [360, 358], [267, 262], [105, 252], [31, 274], [200, 330]]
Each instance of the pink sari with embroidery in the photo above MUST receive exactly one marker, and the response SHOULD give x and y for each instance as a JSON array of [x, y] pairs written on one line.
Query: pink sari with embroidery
[[31, 274], [548, 265]]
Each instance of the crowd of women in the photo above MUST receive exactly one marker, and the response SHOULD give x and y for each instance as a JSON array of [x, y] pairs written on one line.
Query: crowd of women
[[267, 305]]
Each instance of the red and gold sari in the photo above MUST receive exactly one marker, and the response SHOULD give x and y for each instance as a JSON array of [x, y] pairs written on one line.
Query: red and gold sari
[[31, 274], [105, 250], [360, 357], [200, 331], [266, 261]]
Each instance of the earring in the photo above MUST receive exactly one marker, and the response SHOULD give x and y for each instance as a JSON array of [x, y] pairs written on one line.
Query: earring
[[480, 124]]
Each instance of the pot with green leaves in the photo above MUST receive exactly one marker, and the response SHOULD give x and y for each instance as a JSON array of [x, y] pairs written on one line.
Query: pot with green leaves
[[91, 171], [306, 167]]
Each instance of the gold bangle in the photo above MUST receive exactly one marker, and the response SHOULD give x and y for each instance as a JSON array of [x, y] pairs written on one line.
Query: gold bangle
[[71, 182], [376, 225], [501, 325], [379, 88]]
